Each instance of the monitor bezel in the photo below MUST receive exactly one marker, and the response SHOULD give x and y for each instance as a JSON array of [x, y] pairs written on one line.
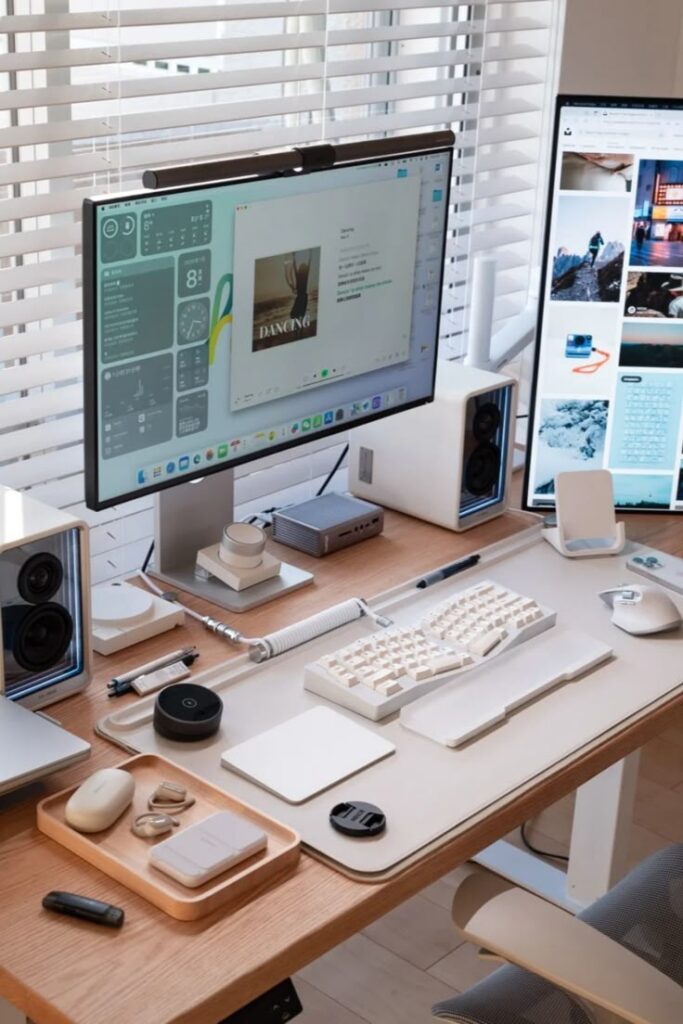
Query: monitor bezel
[[90, 368], [561, 101]]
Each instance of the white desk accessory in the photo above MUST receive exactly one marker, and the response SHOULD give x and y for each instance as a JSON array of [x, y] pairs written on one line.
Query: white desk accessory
[[100, 800], [123, 615], [32, 746], [240, 560], [641, 610], [586, 523], [307, 754], [458, 713], [208, 848]]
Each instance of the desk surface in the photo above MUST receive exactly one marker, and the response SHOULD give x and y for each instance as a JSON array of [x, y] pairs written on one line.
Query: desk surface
[[157, 969]]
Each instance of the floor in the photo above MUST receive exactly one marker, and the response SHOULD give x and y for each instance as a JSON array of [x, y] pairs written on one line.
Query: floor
[[392, 972]]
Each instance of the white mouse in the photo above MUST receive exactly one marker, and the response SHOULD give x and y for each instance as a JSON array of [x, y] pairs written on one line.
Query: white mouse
[[640, 610]]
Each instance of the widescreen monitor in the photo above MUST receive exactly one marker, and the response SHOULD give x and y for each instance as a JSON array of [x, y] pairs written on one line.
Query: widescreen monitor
[[608, 376], [226, 322]]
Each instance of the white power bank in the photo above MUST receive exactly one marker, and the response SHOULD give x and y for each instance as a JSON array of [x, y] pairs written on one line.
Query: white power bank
[[208, 848]]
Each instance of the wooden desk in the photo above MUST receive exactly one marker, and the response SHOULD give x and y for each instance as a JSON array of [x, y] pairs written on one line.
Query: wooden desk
[[159, 970]]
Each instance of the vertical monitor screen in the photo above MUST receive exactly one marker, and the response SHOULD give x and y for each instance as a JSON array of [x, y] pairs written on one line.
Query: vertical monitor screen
[[608, 377], [226, 322]]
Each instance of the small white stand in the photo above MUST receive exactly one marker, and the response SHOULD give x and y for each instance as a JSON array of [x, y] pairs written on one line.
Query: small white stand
[[586, 523]]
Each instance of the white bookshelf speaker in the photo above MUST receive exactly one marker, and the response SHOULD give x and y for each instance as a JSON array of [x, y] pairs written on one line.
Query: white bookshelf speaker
[[448, 462], [45, 651]]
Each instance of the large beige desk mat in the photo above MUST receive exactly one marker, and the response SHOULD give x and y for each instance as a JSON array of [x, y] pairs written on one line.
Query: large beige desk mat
[[428, 792]]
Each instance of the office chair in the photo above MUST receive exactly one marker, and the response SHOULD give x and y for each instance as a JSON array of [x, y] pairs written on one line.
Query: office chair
[[619, 960]]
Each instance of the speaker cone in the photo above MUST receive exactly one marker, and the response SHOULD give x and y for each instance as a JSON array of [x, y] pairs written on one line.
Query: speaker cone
[[482, 468], [40, 577], [486, 421], [37, 635]]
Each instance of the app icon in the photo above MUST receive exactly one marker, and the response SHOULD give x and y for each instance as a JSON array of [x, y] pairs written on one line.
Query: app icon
[[437, 195], [339, 415], [402, 172], [209, 454], [183, 462], [156, 472], [329, 417], [196, 459], [366, 405], [324, 373], [306, 424], [317, 421], [235, 444], [271, 435], [355, 408], [294, 428], [170, 467], [377, 402], [142, 477], [222, 451]]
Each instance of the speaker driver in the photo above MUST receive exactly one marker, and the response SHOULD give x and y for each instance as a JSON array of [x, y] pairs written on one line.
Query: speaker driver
[[37, 635], [486, 421], [482, 469], [40, 577]]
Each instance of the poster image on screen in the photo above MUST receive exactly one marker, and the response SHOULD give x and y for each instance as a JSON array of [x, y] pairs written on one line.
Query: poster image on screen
[[657, 230], [654, 294], [679, 490], [597, 172], [588, 249], [652, 345], [580, 344], [570, 436], [642, 490], [285, 298]]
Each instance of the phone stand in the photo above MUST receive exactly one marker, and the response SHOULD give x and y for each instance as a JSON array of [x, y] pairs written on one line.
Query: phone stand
[[586, 523]]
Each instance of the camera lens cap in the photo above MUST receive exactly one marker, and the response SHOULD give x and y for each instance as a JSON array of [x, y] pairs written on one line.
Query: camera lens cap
[[357, 819]]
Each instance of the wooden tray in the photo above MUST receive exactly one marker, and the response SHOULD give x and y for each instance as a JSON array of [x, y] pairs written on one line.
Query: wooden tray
[[124, 856]]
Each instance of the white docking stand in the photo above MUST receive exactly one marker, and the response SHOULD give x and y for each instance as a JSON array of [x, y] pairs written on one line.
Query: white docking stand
[[430, 792]]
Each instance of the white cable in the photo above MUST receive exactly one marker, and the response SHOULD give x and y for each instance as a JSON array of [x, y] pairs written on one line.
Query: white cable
[[262, 648], [292, 636]]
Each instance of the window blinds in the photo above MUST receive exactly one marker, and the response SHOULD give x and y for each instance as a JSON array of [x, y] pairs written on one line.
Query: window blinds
[[94, 91]]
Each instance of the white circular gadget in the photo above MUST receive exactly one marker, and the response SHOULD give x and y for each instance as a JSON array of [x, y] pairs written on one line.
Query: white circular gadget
[[242, 545], [120, 605]]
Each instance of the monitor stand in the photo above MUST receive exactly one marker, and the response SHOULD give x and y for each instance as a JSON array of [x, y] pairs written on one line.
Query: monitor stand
[[192, 516]]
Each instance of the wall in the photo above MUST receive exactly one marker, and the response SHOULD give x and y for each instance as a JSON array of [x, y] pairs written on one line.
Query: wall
[[623, 47]]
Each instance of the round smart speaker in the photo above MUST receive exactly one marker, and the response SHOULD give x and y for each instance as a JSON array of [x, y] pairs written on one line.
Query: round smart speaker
[[186, 712]]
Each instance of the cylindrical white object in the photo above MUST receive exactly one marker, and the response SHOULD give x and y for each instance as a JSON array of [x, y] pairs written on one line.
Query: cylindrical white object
[[242, 545], [483, 295]]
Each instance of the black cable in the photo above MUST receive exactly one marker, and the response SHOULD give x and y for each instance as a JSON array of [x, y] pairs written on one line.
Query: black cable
[[323, 486], [522, 416], [148, 557], [535, 849]]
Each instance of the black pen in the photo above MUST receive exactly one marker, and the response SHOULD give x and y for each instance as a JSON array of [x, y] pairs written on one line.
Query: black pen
[[448, 570]]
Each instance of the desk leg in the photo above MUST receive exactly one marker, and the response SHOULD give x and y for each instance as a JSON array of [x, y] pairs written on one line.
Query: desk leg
[[9, 1014], [598, 854], [599, 850]]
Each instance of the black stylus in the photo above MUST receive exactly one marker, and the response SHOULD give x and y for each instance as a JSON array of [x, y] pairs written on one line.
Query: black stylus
[[448, 570]]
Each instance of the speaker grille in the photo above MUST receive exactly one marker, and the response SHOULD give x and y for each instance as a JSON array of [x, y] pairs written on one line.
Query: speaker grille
[[487, 436]]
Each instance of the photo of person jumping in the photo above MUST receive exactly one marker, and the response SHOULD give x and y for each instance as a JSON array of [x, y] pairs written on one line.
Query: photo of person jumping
[[296, 276]]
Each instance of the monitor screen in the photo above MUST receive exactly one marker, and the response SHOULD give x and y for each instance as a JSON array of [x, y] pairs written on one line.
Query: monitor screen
[[230, 321], [608, 376]]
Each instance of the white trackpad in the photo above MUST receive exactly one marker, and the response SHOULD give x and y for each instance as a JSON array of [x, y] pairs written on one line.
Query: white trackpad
[[308, 753]]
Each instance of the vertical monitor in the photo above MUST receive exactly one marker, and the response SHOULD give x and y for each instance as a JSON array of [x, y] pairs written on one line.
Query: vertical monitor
[[229, 321], [608, 377]]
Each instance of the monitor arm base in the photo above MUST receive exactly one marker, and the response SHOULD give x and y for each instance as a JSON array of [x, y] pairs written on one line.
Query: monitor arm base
[[190, 517]]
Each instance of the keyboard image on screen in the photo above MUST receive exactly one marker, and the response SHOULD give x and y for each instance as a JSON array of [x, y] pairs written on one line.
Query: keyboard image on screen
[[378, 674]]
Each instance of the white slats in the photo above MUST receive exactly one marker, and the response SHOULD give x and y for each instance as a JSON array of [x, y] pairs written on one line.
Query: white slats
[[94, 93]]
